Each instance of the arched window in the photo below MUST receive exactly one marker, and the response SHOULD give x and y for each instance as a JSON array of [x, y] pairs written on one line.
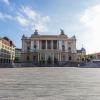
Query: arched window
[[69, 49], [28, 58], [34, 58], [35, 46], [63, 47], [70, 58], [28, 48]]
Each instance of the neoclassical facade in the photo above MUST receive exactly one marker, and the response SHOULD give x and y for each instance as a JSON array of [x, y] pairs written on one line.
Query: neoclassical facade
[[43, 47]]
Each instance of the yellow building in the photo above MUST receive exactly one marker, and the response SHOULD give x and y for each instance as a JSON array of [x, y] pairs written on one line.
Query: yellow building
[[45, 47], [7, 50]]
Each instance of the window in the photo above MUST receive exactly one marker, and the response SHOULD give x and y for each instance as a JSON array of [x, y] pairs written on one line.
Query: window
[[63, 47], [34, 58], [48, 44], [28, 58], [35, 46], [70, 58], [28, 48], [63, 58], [43, 44], [54, 44], [69, 49]]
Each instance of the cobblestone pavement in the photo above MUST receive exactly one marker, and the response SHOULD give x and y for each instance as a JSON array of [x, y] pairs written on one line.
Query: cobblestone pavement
[[50, 83]]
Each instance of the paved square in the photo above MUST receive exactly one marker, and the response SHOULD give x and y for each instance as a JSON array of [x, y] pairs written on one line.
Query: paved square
[[50, 83]]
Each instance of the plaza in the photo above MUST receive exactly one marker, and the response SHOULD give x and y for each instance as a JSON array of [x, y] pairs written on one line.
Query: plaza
[[50, 83]]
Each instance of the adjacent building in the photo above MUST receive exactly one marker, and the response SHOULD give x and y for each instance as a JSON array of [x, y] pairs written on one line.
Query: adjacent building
[[94, 55], [7, 50], [45, 47], [81, 54], [17, 55]]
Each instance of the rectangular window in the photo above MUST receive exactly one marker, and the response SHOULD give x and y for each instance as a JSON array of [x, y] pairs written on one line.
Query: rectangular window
[[48, 44], [54, 44], [43, 44]]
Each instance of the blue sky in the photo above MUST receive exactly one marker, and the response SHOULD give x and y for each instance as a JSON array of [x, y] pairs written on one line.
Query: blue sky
[[76, 17]]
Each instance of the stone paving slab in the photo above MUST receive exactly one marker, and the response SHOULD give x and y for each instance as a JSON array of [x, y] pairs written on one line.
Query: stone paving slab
[[50, 83]]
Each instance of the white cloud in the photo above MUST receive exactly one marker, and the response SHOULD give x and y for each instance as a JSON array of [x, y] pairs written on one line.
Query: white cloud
[[22, 21], [5, 16], [90, 18], [42, 23], [30, 18], [6, 2], [31, 14]]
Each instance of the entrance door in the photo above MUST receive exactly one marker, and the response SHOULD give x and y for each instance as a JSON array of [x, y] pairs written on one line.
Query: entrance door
[[70, 58]]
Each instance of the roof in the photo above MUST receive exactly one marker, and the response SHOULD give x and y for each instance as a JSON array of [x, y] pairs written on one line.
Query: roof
[[7, 41], [83, 49], [18, 49], [35, 34], [79, 51]]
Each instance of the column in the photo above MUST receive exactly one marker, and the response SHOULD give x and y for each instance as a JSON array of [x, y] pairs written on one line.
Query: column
[[38, 57], [45, 58], [52, 44], [52, 58], [60, 56], [31, 45], [40, 44], [57, 44], [46, 44]]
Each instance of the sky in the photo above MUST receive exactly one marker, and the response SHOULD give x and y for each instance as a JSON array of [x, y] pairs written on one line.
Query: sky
[[76, 17]]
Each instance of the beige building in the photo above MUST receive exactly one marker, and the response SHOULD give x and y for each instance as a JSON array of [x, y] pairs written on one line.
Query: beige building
[[81, 54], [7, 50], [45, 47]]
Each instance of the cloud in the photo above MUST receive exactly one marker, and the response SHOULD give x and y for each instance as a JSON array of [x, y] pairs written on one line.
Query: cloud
[[4, 16], [29, 12], [6, 2], [90, 19], [22, 20], [27, 17], [42, 23]]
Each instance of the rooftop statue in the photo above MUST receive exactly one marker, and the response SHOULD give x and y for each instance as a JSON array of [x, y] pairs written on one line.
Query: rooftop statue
[[36, 32], [62, 32]]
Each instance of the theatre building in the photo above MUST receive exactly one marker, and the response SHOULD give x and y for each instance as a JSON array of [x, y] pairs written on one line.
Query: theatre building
[[7, 50], [48, 47]]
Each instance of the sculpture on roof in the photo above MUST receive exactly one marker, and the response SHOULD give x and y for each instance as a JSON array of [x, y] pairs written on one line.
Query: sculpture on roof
[[62, 32], [23, 36], [36, 32]]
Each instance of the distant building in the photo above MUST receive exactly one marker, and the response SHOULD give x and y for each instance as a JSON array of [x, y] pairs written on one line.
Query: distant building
[[97, 55], [94, 55], [48, 47], [7, 50], [81, 54], [17, 55]]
